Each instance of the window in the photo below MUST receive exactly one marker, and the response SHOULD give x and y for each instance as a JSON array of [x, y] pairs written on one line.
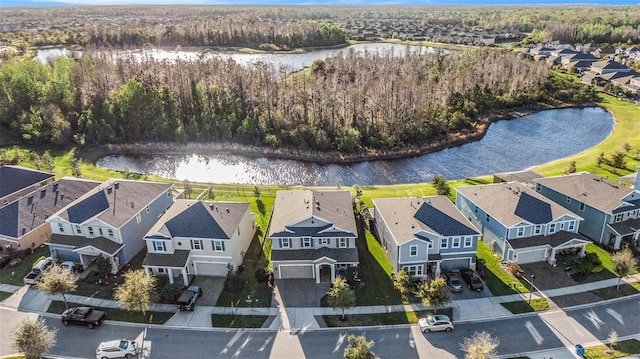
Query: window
[[552, 228], [572, 225], [520, 232], [430, 244], [169, 193], [568, 199], [617, 218], [60, 227], [475, 209], [78, 230], [455, 243], [110, 231], [538, 187], [468, 242], [159, 246], [343, 243], [218, 246], [324, 240], [582, 206], [100, 231], [90, 231], [413, 251], [147, 209], [306, 242], [488, 218], [443, 243], [537, 229], [284, 243], [196, 244], [138, 218], [414, 270]]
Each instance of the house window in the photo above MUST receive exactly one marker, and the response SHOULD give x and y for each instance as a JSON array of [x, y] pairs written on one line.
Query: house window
[[414, 270], [100, 231], [617, 218], [324, 240], [159, 246], [285, 243], [455, 243], [537, 229], [468, 242], [196, 244], [568, 199], [582, 206], [413, 251], [169, 193], [572, 225], [538, 187], [488, 218], [78, 230], [306, 242], [90, 231], [475, 209], [218, 246], [110, 231], [443, 243], [520, 232], [60, 227], [147, 209], [552, 228], [343, 243], [138, 218], [430, 244]]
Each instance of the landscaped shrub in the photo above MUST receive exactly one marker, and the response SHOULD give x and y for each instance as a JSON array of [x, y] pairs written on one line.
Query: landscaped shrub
[[169, 294], [234, 283], [263, 275], [515, 269]]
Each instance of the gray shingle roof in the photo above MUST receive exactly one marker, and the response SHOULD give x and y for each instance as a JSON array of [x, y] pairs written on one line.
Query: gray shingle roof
[[176, 260], [104, 244], [333, 206], [553, 240], [585, 187], [89, 208], [200, 219], [511, 203], [339, 254], [627, 227], [435, 214], [15, 178]]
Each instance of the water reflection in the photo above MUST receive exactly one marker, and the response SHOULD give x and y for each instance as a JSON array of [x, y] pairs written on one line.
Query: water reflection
[[508, 146]]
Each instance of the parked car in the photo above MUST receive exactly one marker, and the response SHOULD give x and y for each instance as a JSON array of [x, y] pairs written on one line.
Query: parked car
[[474, 282], [435, 323], [70, 266], [4, 261], [453, 281], [36, 272], [86, 316], [188, 298], [121, 348]]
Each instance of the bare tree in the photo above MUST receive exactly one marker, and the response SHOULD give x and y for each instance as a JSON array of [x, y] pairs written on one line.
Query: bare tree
[[33, 338], [481, 345]]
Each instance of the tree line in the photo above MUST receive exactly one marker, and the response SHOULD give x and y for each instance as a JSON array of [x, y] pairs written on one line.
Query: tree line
[[350, 103]]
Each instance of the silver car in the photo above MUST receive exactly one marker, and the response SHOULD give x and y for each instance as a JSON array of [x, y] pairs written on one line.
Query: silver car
[[435, 323], [453, 281]]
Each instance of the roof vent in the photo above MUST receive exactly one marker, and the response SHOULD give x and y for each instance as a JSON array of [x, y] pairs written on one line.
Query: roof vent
[[227, 210], [55, 187], [131, 204], [116, 185], [109, 190], [212, 206]]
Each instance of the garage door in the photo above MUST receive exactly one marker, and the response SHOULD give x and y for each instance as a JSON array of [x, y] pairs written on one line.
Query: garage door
[[299, 271], [454, 264], [213, 269], [530, 257]]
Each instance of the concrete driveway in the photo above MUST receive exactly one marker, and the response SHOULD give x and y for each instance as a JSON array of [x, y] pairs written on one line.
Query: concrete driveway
[[301, 293], [211, 289]]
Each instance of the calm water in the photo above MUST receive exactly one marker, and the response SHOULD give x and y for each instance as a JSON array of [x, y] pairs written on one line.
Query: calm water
[[508, 146]]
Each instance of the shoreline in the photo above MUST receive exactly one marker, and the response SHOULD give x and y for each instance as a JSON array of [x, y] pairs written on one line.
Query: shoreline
[[231, 148]]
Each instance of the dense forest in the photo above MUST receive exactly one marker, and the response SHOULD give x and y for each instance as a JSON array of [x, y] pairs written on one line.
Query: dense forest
[[349, 103]]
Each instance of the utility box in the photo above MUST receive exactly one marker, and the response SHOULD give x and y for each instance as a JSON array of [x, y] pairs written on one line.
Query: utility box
[[579, 349]]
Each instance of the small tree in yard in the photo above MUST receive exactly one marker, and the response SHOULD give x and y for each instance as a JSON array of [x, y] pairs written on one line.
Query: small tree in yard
[[103, 265], [58, 280], [441, 185], [434, 293], [403, 282], [624, 263], [359, 348], [33, 338], [481, 345], [613, 340], [136, 291], [341, 296]]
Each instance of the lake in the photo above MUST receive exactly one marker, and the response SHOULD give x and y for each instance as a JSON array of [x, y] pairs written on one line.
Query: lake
[[508, 146]]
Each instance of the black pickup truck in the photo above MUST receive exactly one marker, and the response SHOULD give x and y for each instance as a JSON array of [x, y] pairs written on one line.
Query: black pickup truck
[[83, 316]]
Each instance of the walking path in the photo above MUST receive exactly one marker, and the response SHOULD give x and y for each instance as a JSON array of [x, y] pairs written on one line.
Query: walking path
[[295, 320]]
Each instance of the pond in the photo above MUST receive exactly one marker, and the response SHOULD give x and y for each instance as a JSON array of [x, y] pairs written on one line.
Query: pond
[[511, 145]]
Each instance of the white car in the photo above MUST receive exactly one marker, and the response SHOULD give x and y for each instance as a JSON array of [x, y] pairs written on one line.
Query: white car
[[435, 323], [121, 348]]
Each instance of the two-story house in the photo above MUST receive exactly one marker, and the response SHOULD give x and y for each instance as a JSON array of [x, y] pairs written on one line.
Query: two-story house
[[520, 224], [611, 211], [16, 181], [425, 236], [199, 238], [313, 234], [23, 220], [110, 220]]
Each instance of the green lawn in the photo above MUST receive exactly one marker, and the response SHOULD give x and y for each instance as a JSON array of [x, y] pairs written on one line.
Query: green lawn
[[607, 263], [622, 349], [499, 281], [382, 318], [238, 321], [522, 306], [121, 315], [612, 292], [14, 275]]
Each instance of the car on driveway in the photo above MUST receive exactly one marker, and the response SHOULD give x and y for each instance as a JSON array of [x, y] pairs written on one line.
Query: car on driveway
[[187, 300], [453, 281], [474, 282], [435, 323], [121, 348]]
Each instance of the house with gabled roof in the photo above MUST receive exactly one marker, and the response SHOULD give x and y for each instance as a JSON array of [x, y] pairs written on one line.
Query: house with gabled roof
[[23, 221], [611, 210], [110, 220], [199, 238], [16, 181], [425, 236], [520, 224], [608, 66], [313, 234]]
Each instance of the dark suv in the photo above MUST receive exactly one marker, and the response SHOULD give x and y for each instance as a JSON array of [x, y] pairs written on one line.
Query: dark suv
[[188, 298], [474, 282]]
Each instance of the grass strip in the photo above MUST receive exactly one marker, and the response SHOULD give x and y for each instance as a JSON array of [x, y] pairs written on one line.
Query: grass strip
[[238, 321], [626, 289], [121, 315], [522, 306], [393, 318], [622, 349]]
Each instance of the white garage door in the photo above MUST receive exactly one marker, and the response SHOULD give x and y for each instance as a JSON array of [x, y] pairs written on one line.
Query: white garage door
[[530, 257], [299, 271], [213, 269]]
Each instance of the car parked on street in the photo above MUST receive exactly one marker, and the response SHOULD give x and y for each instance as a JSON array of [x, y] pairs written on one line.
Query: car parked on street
[[121, 348], [435, 323], [86, 316], [453, 281], [187, 300], [474, 282]]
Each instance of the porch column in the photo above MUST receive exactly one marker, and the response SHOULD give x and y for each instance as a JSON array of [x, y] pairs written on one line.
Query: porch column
[[170, 273], [583, 251], [437, 269], [552, 258], [146, 271], [616, 244], [333, 273], [316, 272], [185, 278]]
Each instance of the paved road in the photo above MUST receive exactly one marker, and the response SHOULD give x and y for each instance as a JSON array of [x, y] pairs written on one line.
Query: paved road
[[518, 334]]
